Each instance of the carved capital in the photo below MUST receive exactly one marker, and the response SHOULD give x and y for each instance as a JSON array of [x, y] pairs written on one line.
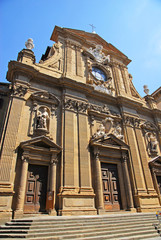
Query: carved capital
[[75, 105], [70, 104], [24, 158], [132, 121], [82, 107], [96, 153], [53, 161], [124, 157], [19, 90]]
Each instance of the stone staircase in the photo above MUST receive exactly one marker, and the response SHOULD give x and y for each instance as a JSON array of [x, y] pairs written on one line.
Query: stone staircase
[[112, 226]]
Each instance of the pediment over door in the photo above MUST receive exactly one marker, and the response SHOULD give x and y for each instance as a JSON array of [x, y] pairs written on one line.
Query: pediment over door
[[155, 164], [109, 141], [40, 148]]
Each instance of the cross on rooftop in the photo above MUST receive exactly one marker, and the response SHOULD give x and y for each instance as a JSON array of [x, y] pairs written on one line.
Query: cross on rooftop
[[93, 27]]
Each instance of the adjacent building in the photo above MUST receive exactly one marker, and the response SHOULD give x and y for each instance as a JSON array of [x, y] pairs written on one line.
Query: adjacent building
[[76, 138]]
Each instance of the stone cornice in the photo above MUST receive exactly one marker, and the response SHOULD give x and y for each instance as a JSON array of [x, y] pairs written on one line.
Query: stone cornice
[[87, 89]]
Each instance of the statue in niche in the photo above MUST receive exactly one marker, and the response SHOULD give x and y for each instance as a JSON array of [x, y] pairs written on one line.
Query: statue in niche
[[42, 118], [152, 142]]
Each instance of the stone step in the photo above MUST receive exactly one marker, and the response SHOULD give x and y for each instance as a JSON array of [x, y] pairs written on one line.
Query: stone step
[[78, 226], [88, 218], [136, 237], [108, 234], [128, 215], [45, 221], [75, 230], [82, 227]]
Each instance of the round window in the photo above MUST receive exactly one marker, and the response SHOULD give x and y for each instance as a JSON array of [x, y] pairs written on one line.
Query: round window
[[99, 74]]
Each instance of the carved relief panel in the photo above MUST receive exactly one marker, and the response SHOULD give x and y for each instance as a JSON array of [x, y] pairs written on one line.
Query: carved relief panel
[[110, 124]]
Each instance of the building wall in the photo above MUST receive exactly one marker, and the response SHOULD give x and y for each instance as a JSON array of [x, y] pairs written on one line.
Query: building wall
[[64, 117]]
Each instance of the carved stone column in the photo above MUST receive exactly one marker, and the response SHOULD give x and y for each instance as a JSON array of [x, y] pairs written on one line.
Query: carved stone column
[[98, 183], [127, 182], [22, 187], [52, 183]]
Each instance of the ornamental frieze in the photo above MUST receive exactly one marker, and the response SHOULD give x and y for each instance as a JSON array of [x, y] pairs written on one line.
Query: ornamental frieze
[[80, 106]]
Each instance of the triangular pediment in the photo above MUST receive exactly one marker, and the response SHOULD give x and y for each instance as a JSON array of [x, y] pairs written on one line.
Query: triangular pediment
[[88, 38], [40, 141], [109, 140], [155, 161]]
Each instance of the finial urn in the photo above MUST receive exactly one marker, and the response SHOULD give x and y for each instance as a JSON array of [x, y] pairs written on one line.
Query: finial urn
[[29, 44]]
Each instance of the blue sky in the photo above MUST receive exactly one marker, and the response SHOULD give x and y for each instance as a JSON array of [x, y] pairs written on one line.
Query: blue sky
[[134, 27]]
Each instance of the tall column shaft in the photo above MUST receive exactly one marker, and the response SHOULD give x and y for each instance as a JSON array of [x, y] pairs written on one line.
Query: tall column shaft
[[127, 182], [98, 183], [22, 185]]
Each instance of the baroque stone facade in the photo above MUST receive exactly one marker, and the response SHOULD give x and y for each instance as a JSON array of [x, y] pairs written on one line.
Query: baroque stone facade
[[76, 137]]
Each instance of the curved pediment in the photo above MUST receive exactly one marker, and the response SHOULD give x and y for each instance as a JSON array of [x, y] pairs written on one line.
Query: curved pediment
[[44, 96]]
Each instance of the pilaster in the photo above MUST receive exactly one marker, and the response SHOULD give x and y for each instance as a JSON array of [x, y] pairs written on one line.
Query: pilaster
[[76, 195], [130, 123], [84, 156], [145, 196], [119, 83], [144, 160]]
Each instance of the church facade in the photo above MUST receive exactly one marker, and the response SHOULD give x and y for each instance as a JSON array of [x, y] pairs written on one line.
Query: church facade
[[76, 138]]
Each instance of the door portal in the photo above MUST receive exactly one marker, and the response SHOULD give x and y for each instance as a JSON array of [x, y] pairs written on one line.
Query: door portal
[[36, 188], [111, 192]]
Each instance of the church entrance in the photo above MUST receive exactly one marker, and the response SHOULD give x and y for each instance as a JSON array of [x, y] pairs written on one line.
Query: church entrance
[[36, 189], [111, 191]]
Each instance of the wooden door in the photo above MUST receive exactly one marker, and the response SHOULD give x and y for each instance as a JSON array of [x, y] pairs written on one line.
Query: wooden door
[[159, 183], [111, 193], [36, 189]]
